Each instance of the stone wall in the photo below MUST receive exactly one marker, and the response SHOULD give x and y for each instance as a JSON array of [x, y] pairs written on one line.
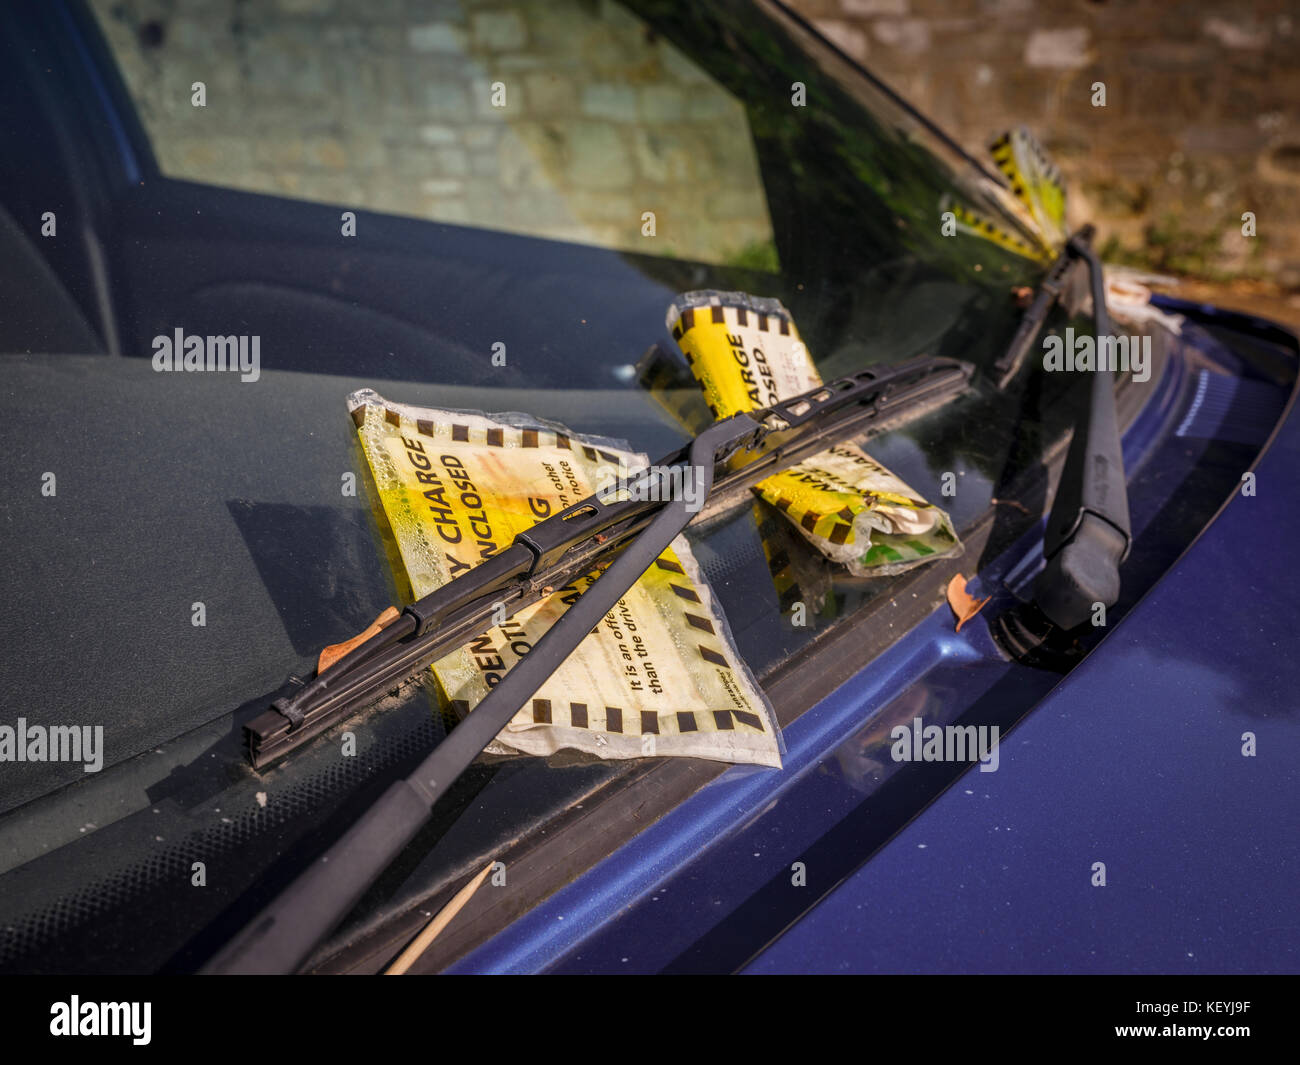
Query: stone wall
[[554, 118], [387, 104], [1201, 122]]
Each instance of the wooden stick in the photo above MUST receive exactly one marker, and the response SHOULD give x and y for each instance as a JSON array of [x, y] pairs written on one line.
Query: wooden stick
[[439, 921]]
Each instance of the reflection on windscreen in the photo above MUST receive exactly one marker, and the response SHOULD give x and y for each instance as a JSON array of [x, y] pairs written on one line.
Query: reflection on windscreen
[[552, 118]]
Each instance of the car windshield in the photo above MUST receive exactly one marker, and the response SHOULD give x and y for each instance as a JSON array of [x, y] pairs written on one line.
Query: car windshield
[[384, 202]]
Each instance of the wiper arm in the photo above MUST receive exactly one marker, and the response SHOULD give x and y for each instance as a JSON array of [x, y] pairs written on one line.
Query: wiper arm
[[1088, 533], [554, 551]]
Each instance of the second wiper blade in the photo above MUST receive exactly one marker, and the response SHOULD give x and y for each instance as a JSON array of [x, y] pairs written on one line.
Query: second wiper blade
[[1045, 297]]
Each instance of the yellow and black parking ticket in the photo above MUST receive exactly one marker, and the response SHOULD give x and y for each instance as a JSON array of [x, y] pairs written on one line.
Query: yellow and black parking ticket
[[746, 354], [659, 676]]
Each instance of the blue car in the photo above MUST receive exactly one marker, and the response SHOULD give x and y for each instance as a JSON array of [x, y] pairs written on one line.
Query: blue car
[[491, 208]]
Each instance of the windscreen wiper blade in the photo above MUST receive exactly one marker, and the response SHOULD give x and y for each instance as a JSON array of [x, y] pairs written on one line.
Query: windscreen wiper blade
[[635, 527], [572, 543]]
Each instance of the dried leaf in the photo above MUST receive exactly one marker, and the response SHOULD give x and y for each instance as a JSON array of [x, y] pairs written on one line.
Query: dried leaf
[[335, 651], [963, 604]]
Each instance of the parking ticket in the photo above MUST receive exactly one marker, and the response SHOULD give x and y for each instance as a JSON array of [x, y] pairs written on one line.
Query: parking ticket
[[659, 676], [746, 353]]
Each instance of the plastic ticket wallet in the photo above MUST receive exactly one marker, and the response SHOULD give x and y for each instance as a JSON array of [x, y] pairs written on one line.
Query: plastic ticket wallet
[[745, 352], [660, 674]]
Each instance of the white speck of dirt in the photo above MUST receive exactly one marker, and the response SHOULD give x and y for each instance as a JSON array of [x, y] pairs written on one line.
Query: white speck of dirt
[[261, 799], [920, 846]]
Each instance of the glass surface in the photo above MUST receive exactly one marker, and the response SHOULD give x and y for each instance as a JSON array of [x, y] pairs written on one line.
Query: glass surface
[[182, 488], [206, 488]]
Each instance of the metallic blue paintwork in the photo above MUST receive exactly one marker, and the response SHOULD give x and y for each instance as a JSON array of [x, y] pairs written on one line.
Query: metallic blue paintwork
[[997, 883], [647, 871], [1135, 761]]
